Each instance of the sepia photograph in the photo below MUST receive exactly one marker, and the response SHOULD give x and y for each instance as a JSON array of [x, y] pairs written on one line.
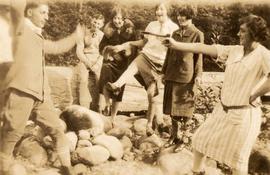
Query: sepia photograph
[[134, 87]]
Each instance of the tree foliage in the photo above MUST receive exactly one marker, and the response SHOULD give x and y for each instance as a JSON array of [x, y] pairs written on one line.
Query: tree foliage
[[219, 23]]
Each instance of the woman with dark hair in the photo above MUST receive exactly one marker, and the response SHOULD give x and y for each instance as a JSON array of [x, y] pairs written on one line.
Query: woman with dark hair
[[119, 30], [182, 71], [230, 132]]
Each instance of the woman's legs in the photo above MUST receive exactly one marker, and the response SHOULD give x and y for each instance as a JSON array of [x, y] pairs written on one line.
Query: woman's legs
[[115, 105], [107, 108], [127, 75], [84, 93], [198, 161], [174, 131], [152, 108]]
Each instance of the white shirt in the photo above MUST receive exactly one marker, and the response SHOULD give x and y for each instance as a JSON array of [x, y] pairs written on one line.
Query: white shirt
[[33, 27], [154, 48]]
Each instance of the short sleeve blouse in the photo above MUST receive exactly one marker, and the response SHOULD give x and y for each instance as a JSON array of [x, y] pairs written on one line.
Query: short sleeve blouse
[[242, 73]]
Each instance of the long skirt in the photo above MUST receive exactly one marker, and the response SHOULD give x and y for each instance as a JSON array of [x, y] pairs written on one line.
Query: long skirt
[[228, 136]]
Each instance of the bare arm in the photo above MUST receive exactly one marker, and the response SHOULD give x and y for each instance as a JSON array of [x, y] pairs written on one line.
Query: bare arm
[[138, 43], [198, 65], [129, 44], [191, 47]]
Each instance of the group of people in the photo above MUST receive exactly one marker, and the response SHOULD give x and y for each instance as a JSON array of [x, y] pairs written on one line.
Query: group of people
[[167, 53], [146, 58]]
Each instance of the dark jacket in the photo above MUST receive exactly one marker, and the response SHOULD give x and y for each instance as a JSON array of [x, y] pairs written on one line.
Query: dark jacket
[[183, 67], [113, 37]]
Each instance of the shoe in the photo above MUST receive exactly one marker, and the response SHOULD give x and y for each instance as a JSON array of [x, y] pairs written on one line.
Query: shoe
[[172, 141], [67, 170], [199, 173], [149, 130], [112, 88], [107, 111], [196, 173], [179, 148]]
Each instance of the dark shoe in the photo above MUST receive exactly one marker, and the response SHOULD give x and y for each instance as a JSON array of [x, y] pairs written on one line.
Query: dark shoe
[[198, 173], [172, 141], [149, 130], [179, 148], [107, 111], [112, 88]]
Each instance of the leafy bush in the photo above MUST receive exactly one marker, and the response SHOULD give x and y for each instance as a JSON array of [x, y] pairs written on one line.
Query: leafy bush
[[219, 23], [207, 97]]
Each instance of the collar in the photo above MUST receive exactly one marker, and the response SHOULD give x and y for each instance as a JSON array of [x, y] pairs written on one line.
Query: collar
[[168, 20], [186, 31], [238, 52], [33, 27]]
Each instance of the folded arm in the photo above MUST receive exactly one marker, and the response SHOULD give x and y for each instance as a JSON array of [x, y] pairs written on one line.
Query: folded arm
[[261, 90], [80, 53]]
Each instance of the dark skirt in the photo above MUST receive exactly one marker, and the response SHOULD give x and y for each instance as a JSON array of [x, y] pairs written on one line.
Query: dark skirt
[[178, 99], [110, 72]]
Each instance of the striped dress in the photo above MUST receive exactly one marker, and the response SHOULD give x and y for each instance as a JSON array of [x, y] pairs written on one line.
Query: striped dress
[[228, 135]]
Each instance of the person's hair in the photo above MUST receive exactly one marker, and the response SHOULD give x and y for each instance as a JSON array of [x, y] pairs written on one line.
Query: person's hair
[[32, 4], [118, 10], [98, 16], [257, 27], [188, 11], [166, 4]]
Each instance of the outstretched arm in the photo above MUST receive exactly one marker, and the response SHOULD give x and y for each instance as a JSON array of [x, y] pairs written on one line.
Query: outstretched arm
[[198, 63], [191, 47], [60, 46], [65, 44], [129, 44]]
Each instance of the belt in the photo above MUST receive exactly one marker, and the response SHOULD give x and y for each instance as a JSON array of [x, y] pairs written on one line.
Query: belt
[[227, 108]]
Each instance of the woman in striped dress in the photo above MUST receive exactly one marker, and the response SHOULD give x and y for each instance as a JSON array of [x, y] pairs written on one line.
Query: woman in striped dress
[[230, 132]]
